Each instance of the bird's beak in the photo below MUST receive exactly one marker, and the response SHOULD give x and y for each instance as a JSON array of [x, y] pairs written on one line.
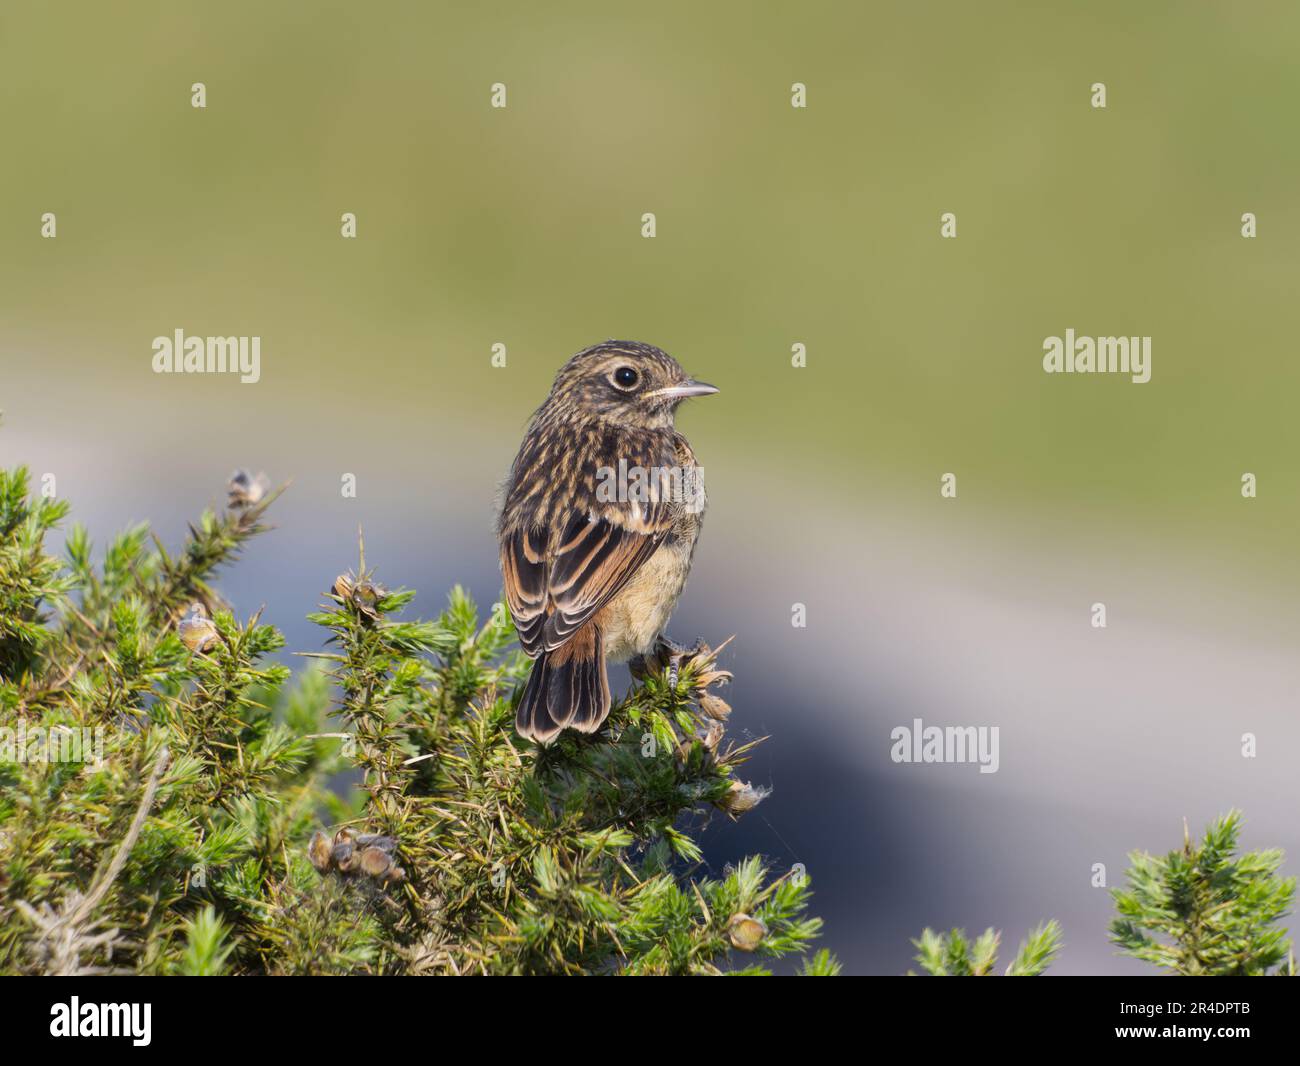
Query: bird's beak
[[686, 389]]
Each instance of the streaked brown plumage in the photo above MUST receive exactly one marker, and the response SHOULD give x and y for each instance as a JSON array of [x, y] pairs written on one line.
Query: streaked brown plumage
[[590, 576]]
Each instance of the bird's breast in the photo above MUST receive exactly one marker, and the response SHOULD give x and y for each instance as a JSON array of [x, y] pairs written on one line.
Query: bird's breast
[[633, 620]]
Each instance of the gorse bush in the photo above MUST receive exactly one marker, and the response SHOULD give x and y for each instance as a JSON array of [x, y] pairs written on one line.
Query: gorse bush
[[172, 802], [1200, 911], [954, 954], [1204, 910]]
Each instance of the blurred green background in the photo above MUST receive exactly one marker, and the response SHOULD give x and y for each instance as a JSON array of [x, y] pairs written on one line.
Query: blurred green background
[[775, 226]]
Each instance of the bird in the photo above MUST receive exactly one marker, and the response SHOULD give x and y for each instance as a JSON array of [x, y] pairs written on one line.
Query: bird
[[597, 529]]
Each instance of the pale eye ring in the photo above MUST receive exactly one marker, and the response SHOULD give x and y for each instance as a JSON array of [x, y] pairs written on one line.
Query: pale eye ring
[[625, 377]]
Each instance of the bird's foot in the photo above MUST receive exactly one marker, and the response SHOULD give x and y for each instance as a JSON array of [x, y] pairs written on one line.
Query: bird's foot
[[671, 654], [640, 667]]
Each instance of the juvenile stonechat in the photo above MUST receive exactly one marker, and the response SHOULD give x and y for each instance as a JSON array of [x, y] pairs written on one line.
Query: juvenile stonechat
[[602, 510]]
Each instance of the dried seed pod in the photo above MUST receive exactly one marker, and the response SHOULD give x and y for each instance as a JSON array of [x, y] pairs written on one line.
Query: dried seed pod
[[375, 862], [716, 708], [196, 629], [742, 797], [744, 932], [711, 676], [342, 587], [344, 857], [712, 737], [344, 836], [366, 596], [370, 840], [244, 490], [705, 672], [319, 851]]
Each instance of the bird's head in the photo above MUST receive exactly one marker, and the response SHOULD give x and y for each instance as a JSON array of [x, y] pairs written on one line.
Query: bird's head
[[625, 382]]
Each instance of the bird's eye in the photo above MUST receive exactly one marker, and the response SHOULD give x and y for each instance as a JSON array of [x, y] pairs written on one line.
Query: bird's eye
[[625, 377]]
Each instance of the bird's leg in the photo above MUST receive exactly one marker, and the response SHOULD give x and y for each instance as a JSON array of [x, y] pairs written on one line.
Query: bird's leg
[[672, 654], [640, 667]]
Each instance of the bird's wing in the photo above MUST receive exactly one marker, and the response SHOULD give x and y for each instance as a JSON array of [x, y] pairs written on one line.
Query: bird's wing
[[593, 557], [523, 566]]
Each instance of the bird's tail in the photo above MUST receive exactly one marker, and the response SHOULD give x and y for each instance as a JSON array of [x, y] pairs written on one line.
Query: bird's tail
[[568, 689]]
